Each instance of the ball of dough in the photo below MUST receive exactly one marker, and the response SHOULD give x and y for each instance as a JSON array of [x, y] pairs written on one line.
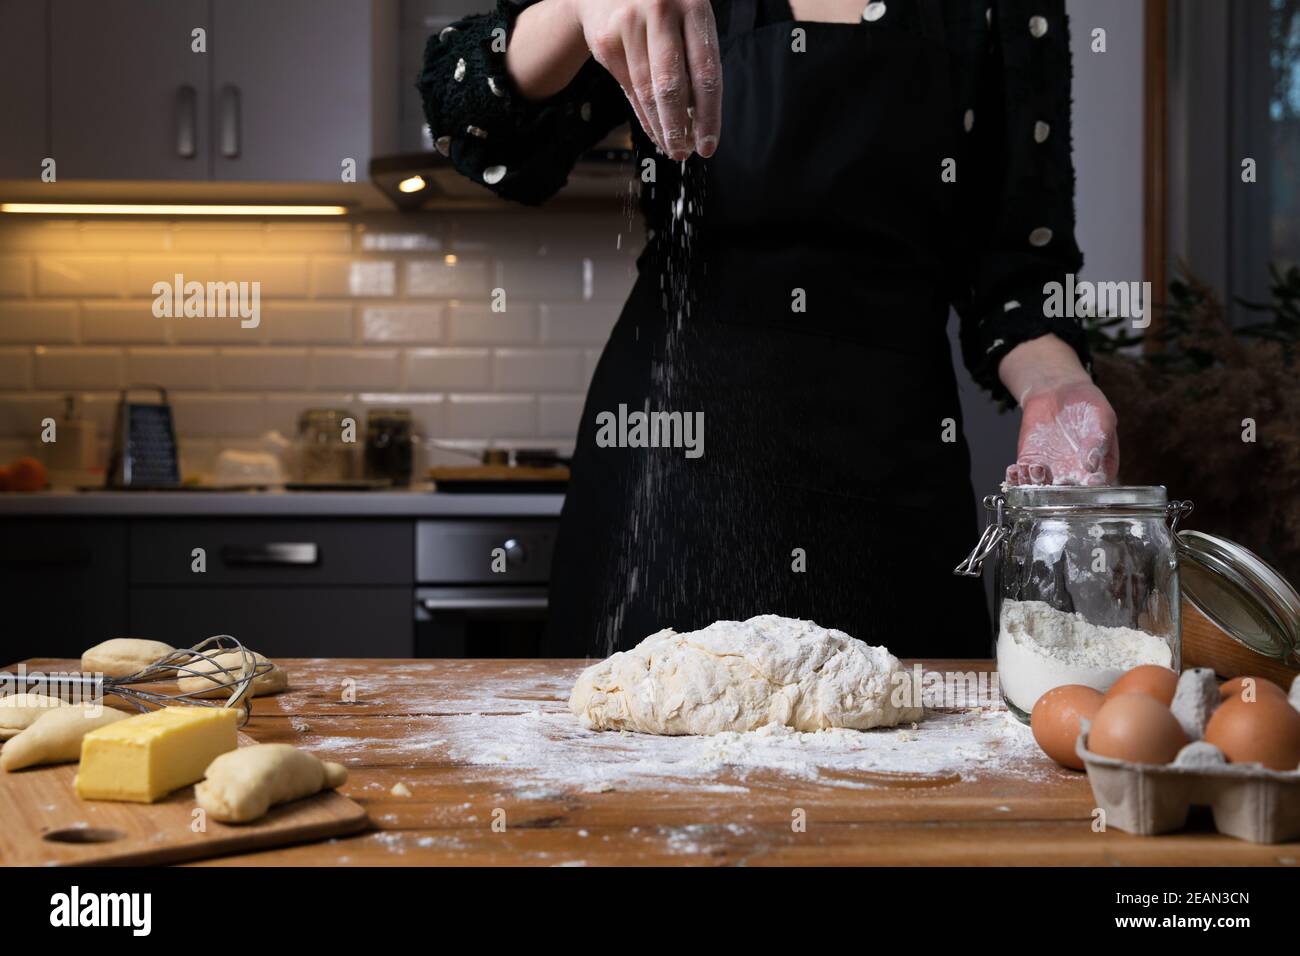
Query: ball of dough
[[123, 656], [55, 736], [742, 675], [192, 680], [20, 711]]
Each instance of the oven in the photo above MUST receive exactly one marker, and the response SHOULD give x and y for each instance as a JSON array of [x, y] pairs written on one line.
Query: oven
[[481, 586]]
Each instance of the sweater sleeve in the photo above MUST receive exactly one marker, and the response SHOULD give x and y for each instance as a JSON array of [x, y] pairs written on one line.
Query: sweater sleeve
[[520, 149], [1021, 214]]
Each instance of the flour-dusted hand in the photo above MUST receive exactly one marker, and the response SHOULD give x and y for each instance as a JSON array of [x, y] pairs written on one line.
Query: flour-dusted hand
[[1067, 437], [1068, 430], [664, 53]]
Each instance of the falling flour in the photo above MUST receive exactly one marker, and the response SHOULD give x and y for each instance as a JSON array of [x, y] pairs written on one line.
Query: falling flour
[[1041, 647]]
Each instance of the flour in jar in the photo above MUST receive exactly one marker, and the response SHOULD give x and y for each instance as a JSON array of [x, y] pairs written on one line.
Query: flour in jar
[[1041, 647]]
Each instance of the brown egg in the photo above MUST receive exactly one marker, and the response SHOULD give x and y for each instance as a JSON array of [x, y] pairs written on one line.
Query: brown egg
[[1055, 721], [1150, 679], [1265, 731], [1261, 686], [1137, 728]]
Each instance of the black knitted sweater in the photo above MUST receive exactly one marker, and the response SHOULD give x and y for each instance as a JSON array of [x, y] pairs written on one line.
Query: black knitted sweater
[[1017, 76]]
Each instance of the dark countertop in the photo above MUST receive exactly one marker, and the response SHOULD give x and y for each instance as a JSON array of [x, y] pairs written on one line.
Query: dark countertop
[[272, 504]]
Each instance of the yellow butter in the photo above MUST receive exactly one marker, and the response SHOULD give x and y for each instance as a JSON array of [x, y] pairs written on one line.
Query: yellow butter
[[148, 756]]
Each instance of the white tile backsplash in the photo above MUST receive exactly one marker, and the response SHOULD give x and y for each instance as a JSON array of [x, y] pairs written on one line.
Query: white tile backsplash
[[379, 311], [75, 368], [38, 323], [356, 368], [477, 324], [441, 278], [79, 275], [15, 276], [448, 368]]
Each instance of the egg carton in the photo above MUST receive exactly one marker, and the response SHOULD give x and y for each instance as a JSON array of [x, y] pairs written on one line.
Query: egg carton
[[1249, 802]]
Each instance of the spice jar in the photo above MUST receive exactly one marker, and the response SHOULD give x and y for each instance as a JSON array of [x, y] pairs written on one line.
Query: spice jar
[[1085, 585]]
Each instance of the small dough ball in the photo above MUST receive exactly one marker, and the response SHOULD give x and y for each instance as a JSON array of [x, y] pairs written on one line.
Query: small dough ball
[[1200, 754], [1056, 718], [20, 711], [400, 790], [123, 656], [1151, 679], [1195, 700], [1136, 728], [241, 785], [193, 681], [55, 736], [1265, 731]]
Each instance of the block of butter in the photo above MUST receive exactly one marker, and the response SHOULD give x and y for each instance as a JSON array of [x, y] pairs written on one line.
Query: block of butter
[[148, 756]]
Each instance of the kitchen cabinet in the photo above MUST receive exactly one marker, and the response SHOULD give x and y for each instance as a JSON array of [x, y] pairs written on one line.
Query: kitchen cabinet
[[281, 622], [285, 90], [128, 97], [301, 85], [306, 588], [24, 82], [63, 586]]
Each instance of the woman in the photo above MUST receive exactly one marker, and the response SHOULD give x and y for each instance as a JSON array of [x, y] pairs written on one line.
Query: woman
[[820, 182]]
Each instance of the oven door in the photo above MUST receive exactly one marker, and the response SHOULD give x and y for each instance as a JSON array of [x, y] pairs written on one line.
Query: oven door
[[480, 621]]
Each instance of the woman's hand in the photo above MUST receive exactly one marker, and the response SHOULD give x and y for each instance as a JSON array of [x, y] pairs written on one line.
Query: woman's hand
[[1067, 429], [664, 53]]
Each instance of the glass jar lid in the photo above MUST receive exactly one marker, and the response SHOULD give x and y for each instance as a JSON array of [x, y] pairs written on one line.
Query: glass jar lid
[[1077, 498], [1238, 590]]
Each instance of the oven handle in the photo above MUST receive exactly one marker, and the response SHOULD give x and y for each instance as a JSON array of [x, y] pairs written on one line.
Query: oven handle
[[483, 603]]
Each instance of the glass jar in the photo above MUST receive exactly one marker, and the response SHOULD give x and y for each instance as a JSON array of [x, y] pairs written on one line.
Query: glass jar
[[389, 445], [324, 456], [1085, 585]]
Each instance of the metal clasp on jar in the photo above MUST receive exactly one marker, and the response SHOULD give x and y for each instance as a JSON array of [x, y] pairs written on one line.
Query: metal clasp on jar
[[994, 532], [1176, 510]]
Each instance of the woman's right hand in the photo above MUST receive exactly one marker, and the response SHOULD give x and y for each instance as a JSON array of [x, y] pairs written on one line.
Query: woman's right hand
[[664, 53]]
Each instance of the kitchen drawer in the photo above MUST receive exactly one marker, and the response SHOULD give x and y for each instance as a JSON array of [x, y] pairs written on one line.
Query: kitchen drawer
[[62, 586], [287, 622], [273, 553]]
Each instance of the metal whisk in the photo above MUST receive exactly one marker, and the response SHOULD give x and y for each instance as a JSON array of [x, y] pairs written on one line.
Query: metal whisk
[[197, 661]]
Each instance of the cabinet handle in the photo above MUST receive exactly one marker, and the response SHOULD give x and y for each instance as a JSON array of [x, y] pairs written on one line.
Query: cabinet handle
[[230, 121], [187, 103], [481, 603], [274, 554]]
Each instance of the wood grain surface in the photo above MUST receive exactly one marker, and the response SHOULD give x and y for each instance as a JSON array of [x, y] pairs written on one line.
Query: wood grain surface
[[364, 713]]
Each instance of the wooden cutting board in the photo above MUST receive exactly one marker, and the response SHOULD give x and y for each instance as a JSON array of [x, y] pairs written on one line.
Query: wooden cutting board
[[47, 824]]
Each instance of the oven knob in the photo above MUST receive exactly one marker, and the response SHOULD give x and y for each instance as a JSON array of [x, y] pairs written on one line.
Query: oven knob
[[516, 553]]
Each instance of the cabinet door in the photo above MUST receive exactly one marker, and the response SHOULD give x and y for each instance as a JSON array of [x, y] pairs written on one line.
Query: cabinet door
[[281, 622], [128, 94], [24, 88], [291, 89], [62, 586]]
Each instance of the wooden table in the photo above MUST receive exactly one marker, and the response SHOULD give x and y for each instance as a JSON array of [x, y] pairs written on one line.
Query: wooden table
[[348, 709]]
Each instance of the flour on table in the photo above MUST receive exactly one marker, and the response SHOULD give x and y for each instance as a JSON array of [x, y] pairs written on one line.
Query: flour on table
[[1041, 647], [737, 676]]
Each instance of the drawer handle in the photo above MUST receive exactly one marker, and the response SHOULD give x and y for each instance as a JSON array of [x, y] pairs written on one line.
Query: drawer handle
[[483, 603], [230, 122], [280, 554], [186, 122]]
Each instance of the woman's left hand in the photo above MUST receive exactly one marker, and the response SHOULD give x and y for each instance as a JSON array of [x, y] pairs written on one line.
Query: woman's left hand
[[1067, 437], [1068, 429]]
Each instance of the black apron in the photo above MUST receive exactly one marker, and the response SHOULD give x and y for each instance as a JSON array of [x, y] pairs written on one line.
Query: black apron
[[834, 484]]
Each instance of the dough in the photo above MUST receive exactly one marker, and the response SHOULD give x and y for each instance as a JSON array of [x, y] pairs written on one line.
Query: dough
[[243, 784], [123, 656], [55, 736], [19, 711], [271, 682], [740, 676]]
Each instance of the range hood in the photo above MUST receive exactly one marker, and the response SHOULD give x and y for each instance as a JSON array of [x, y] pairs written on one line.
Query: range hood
[[427, 180]]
